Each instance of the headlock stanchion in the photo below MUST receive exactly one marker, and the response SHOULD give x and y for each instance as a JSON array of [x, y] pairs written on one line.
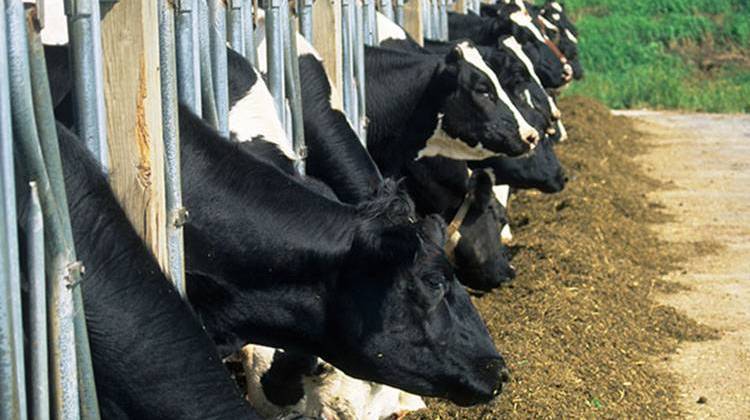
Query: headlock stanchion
[[236, 25], [347, 51], [188, 55], [400, 12], [359, 72], [305, 13], [218, 41], [369, 22], [275, 55], [386, 8], [38, 360], [208, 94], [171, 134], [294, 92], [12, 387], [248, 29], [45, 119], [86, 68]]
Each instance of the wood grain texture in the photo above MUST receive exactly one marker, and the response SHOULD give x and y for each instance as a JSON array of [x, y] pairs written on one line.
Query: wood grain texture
[[327, 41], [413, 20], [130, 41]]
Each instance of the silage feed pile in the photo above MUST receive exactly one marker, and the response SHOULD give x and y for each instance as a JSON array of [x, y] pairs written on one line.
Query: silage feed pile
[[579, 327]]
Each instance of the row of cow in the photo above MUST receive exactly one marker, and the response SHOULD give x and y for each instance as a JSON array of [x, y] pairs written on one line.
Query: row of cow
[[358, 269]]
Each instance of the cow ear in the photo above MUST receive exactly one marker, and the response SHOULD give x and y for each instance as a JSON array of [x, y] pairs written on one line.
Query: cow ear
[[480, 185], [454, 55], [379, 242]]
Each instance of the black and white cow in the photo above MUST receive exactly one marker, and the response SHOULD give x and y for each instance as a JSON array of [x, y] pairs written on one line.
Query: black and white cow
[[552, 15], [151, 357], [364, 287]]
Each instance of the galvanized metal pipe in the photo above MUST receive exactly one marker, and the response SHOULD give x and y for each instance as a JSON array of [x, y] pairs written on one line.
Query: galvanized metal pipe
[[85, 58], [305, 18], [426, 19], [386, 8], [359, 71], [249, 31], [26, 137], [10, 400], [369, 22], [435, 19], [400, 12], [171, 134], [187, 55], [45, 120], [236, 26], [208, 95], [275, 55], [443, 13], [39, 399], [294, 93], [218, 37], [347, 61]]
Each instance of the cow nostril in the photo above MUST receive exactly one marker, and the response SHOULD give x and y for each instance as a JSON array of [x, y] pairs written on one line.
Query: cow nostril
[[505, 375]]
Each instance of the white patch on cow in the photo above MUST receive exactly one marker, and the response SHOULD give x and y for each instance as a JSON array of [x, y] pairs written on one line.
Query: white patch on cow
[[472, 56], [547, 24], [388, 29], [516, 48], [442, 144], [556, 16], [571, 36], [255, 115], [556, 113], [520, 18], [331, 394], [527, 96], [506, 235], [55, 31], [563, 131], [557, 6]]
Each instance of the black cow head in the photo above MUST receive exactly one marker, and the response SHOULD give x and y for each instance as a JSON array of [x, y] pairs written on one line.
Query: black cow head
[[554, 12], [410, 324], [479, 111], [482, 261]]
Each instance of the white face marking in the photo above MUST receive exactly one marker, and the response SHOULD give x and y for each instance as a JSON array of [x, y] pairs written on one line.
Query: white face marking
[[556, 16], [502, 192], [515, 47], [520, 18], [441, 144], [563, 131], [547, 24], [557, 6], [571, 36], [506, 235], [255, 115], [388, 29], [472, 56], [527, 95]]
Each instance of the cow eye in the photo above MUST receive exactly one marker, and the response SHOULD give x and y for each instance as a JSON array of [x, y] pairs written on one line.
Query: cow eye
[[484, 90]]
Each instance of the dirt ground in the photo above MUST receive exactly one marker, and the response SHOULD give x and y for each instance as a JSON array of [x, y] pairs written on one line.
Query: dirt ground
[[706, 159], [585, 328]]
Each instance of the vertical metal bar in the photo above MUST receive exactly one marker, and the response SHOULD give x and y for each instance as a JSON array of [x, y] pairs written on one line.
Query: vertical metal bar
[[347, 60], [386, 8], [426, 19], [400, 12], [26, 137], [11, 406], [294, 92], [249, 31], [369, 22], [45, 120], [236, 26], [188, 68], [359, 71], [443, 9], [218, 38], [171, 134], [85, 58], [39, 400], [305, 18], [275, 55], [208, 96], [435, 19], [356, 39]]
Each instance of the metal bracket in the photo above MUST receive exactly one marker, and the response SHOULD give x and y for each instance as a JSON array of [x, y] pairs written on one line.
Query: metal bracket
[[179, 217], [74, 270]]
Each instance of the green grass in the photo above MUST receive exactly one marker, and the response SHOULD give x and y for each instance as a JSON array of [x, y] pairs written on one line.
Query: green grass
[[640, 53]]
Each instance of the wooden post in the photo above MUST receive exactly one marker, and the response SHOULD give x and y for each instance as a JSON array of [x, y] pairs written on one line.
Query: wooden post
[[130, 40], [460, 6], [413, 20], [327, 41]]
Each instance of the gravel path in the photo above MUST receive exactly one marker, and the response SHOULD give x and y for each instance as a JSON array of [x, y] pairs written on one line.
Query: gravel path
[[707, 158]]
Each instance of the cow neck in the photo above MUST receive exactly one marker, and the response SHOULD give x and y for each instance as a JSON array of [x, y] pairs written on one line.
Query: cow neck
[[404, 96], [259, 244], [136, 320], [335, 154]]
